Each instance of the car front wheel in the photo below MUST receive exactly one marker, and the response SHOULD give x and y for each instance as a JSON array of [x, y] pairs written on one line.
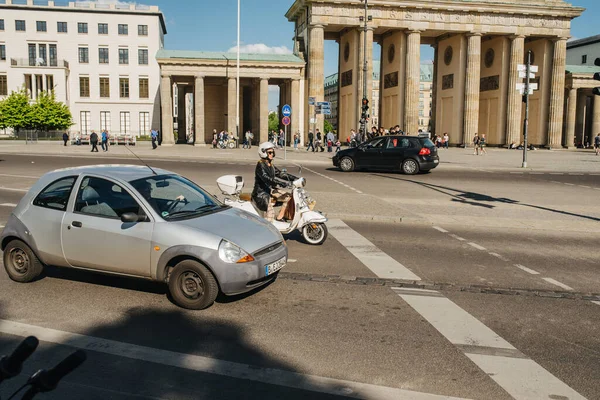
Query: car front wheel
[[410, 167], [192, 285], [21, 264], [347, 164]]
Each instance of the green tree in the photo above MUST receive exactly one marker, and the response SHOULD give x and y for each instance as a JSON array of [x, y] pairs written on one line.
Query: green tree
[[328, 127], [16, 111], [273, 122], [49, 114]]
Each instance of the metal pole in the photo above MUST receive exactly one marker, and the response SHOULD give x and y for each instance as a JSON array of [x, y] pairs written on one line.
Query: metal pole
[[526, 122], [363, 123], [237, 90], [285, 144]]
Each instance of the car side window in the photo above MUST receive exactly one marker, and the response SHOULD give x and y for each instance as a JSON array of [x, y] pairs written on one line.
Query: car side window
[[400, 143], [378, 143], [102, 198], [56, 195]]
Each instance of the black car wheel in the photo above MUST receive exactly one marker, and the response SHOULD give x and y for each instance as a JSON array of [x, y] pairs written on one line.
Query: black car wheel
[[410, 166], [192, 285], [347, 164], [21, 264]]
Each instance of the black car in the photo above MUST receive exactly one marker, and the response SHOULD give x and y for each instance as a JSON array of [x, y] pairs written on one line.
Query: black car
[[409, 154]]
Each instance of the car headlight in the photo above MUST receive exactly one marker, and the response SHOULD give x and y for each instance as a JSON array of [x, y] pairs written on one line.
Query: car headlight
[[230, 253]]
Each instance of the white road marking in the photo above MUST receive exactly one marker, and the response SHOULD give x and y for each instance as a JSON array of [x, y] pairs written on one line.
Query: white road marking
[[555, 182], [520, 376], [437, 228], [517, 173], [478, 247], [457, 237], [587, 187], [528, 270], [8, 205], [499, 256], [14, 190], [291, 260], [214, 366], [556, 173], [372, 257], [557, 283], [569, 184], [576, 174], [536, 173], [20, 176], [334, 180], [1, 226], [596, 302]]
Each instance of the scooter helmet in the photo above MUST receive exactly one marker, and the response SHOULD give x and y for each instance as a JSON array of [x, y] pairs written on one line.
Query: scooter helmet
[[262, 149]]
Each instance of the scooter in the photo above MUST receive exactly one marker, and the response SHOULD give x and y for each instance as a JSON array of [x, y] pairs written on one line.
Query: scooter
[[311, 224]]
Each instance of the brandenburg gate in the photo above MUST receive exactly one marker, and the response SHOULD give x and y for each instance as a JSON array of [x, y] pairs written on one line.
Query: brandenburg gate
[[478, 45]]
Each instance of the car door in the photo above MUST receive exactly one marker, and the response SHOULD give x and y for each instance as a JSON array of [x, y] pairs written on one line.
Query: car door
[[395, 152], [94, 237], [369, 155]]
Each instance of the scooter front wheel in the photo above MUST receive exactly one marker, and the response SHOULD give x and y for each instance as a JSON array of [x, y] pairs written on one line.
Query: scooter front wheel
[[315, 233]]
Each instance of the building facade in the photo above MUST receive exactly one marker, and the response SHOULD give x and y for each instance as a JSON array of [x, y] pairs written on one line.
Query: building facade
[[99, 59]]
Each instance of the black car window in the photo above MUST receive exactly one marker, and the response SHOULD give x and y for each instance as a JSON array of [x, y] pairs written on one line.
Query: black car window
[[377, 143], [400, 143], [56, 195], [103, 198], [426, 142]]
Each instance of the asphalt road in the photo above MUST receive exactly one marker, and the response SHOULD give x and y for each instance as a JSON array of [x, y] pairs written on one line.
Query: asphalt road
[[512, 257]]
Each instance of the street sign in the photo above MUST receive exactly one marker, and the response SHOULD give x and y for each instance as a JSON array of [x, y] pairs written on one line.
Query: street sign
[[317, 109], [523, 74], [313, 120], [286, 121], [522, 91], [324, 104], [523, 68], [532, 86], [311, 101], [286, 110]]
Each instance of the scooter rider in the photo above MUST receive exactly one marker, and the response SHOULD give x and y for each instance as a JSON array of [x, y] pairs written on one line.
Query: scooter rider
[[266, 175]]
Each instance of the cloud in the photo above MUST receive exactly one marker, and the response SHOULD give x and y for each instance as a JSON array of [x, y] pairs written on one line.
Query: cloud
[[261, 48]]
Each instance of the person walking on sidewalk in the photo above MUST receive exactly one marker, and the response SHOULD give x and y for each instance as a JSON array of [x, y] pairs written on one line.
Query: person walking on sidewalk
[[104, 140], [319, 141], [65, 138], [94, 141], [446, 140], [311, 138], [597, 144], [482, 144], [154, 138], [476, 145]]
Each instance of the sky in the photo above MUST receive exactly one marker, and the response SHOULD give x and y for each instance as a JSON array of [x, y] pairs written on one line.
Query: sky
[[211, 25]]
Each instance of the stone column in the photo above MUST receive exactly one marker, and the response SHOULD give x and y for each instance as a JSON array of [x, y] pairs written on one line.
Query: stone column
[[571, 118], [412, 82], [557, 92], [596, 118], [264, 110], [295, 104], [580, 119], [360, 75], [199, 122], [231, 112], [513, 118], [471, 124], [434, 90], [166, 103], [316, 68]]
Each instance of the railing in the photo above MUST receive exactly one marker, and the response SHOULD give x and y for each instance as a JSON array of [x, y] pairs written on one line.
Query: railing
[[31, 63]]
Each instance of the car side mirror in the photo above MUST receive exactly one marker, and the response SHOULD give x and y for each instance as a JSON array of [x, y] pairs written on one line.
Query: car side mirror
[[129, 217]]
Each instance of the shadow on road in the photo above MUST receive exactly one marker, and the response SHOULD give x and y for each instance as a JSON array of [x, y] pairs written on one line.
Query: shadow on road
[[157, 354], [482, 200]]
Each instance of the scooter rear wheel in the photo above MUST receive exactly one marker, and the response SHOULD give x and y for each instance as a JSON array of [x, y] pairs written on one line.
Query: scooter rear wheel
[[315, 233]]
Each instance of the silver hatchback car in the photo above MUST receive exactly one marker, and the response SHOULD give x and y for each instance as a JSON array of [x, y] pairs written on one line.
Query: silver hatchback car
[[141, 222]]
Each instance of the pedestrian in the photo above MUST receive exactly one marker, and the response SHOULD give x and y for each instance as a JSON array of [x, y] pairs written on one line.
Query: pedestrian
[[295, 142], [330, 141], [311, 138], [338, 145], [352, 138], [476, 144], [104, 140], [159, 137], [94, 141], [65, 138], [154, 138], [78, 139], [320, 141], [482, 144], [597, 144], [250, 137], [438, 142], [446, 140]]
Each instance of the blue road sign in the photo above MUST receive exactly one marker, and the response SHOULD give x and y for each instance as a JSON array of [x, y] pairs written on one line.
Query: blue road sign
[[324, 104], [286, 110]]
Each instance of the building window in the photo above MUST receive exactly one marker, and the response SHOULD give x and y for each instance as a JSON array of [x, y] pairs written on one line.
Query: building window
[[1, 24], [84, 86], [144, 123], [103, 55], [32, 53], [41, 26], [105, 121], [123, 29], [143, 56], [3, 85], [143, 30], [20, 25], [144, 91], [61, 27], [102, 29], [84, 55], [124, 88], [82, 27], [125, 122], [584, 59], [53, 55], [2, 52], [104, 87], [84, 122], [123, 56], [42, 55]]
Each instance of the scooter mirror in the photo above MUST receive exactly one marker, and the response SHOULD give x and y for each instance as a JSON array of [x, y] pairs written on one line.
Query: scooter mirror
[[284, 170]]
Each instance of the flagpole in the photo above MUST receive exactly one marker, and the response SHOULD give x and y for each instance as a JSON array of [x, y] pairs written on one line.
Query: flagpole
[[237, 91]]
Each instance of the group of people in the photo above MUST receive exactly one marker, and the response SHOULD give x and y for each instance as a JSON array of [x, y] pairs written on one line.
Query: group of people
[[441, 141], [317, 142], [479, 143]]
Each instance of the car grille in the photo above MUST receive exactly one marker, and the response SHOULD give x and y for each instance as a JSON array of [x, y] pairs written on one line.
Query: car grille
[[268, 250]]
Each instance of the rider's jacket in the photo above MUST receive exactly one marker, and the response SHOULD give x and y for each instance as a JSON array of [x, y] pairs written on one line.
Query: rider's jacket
[[265, 179]]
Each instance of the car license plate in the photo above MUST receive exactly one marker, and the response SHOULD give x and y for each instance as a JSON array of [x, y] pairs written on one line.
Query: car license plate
[[436, 161], [276, 266]]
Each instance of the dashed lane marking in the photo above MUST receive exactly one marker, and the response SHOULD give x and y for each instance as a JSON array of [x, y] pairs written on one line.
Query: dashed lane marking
[[569, 184], [437, 228], [478, 247], [499, 256], [528, 270], [457, 237], [587, 187], [556, 173], [19, 176], [333, 180], [214, 366], [8, 205], [557, 283], [14, 190], [596, 302]]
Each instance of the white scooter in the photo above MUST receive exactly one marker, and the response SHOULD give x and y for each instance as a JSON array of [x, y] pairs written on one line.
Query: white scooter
[[311, 224]]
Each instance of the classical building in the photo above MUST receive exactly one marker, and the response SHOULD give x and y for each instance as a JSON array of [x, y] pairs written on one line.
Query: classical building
[[209, 79], [98, 59], [478, 47]]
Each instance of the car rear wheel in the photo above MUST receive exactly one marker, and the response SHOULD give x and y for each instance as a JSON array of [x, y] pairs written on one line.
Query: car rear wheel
[[410, 167], [192, 285], [21, 264], [347, 164]]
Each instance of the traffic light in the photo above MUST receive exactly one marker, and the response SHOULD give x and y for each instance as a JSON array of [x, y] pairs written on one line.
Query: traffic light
[[365, 109], [596, 90]]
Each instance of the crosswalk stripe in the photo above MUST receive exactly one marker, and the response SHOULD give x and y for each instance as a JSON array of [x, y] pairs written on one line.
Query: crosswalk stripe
[[372, 257]]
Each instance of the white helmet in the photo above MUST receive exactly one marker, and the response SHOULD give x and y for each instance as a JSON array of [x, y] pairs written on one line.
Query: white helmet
[[262, 149]]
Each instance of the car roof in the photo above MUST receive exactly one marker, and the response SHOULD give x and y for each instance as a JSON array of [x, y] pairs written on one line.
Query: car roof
[[406, 136], [124, 172]]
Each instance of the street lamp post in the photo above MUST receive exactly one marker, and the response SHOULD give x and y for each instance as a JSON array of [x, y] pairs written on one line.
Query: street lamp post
[[237, 90]]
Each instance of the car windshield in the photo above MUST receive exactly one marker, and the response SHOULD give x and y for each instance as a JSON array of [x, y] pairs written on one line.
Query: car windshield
[[427, 143], [175, 197]]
